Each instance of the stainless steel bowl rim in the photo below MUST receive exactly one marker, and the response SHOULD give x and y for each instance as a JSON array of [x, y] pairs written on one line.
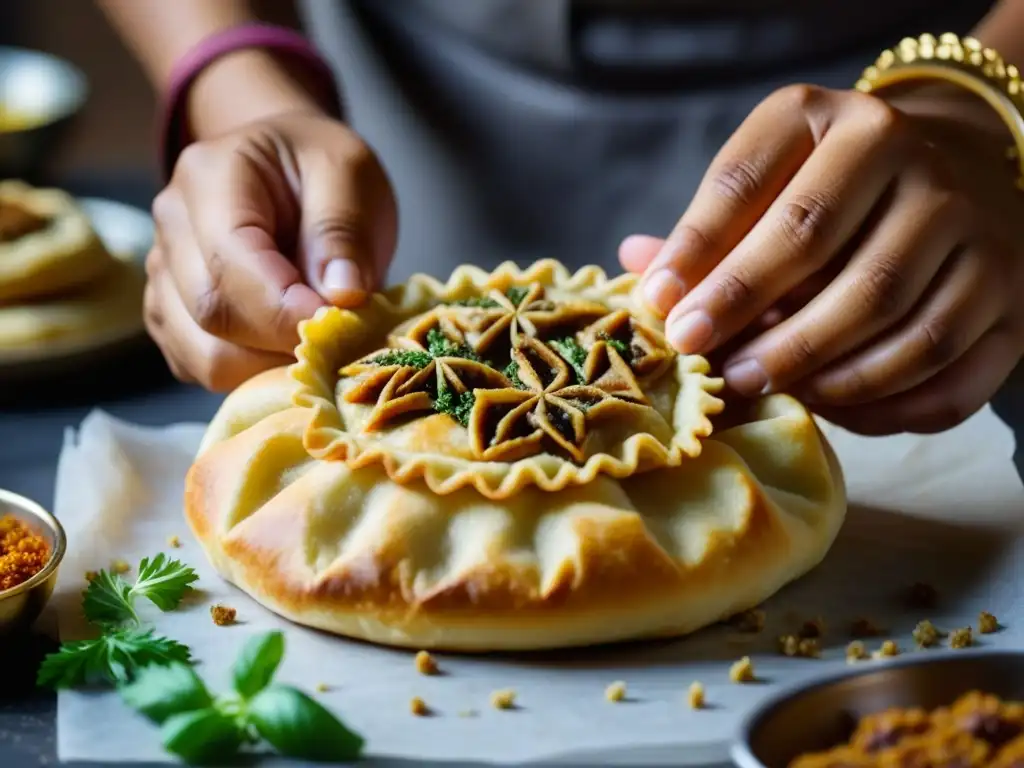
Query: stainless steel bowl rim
[[29, 507], [743, 755]]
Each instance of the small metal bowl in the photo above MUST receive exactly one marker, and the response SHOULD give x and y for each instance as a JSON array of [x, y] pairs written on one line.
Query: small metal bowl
[[822, 714], [21, 605], [47, 92]]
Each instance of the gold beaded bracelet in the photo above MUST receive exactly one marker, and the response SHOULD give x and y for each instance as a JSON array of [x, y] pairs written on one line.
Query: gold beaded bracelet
[[964, 62]]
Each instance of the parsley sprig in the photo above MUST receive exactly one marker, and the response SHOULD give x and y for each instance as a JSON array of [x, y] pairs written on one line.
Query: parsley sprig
[[200, 727], [439, 345], [124, 644]]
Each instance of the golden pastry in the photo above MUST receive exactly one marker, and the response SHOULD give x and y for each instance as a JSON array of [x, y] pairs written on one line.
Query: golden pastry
[[506, 461], [47, 243]]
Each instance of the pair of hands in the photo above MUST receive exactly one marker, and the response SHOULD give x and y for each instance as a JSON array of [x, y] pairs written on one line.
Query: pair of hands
[[838, 248]]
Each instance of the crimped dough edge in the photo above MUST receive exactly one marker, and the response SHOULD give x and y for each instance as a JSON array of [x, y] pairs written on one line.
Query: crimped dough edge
[[334, 337]]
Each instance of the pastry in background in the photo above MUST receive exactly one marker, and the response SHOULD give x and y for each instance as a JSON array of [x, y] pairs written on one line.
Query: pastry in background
[[514, 460], [47, 244]]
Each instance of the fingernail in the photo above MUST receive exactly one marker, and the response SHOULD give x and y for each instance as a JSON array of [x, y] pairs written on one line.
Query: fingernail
[[343, 281], [692, 332], [663, 290], [747, 377]]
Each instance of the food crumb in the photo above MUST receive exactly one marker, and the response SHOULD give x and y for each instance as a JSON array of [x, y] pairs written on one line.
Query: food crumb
[[90, 576], [888, 650], [173, 541], [961, 638], [812, 629], [987, 623], [922, 595], [797, 647], [751, 621], [418, 707], [504, 699], [856, 651], [695, 696], [468, 713], [223, 615], [789, 645], [742, 671], [616, 691], [322, 687], [120, 567], [426, 664], [925, 634], [864, 627]]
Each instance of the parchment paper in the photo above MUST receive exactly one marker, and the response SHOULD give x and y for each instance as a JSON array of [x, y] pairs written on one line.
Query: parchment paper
[[945, 509]]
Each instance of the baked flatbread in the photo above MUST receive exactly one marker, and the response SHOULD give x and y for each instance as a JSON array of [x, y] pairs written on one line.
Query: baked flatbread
[[507, 461]]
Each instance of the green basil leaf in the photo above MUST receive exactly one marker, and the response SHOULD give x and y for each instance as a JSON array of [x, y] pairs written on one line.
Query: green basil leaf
[[257, 663], [297, 726], [202, 736], [159, 691]]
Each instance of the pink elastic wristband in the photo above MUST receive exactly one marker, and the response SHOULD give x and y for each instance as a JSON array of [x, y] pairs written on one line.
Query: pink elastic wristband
[[174, 133]]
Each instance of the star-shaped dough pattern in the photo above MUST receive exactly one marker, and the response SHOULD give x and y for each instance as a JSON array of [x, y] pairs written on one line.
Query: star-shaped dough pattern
[[524, 373]]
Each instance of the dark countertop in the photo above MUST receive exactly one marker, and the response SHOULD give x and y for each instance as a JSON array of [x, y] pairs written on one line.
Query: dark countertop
[[31, 432]]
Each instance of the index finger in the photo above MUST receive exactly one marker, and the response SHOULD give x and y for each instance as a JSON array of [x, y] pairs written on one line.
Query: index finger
[[256, 295], [743, 180]]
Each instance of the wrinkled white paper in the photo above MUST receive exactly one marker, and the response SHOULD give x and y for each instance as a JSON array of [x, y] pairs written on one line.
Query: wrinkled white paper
[[946, 509]]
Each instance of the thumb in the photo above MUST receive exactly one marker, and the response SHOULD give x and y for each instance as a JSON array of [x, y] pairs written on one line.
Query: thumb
[[348, 229]]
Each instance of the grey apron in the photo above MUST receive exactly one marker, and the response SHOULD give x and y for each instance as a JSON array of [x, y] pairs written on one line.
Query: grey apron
[[521, 129]]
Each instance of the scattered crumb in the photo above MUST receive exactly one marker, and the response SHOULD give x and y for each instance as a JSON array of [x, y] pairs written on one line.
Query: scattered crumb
[[695, 697], [616, 691], [888, 649], [742, 671], [749, 621], [925, 634], [922, 595], [856, 651], [322, 687], [987, 623], [418, 707], [797, 647], [812, 629], [120, 567], [961, 638], [91, 575], [223, 615], [789, 645], [864, 627], [173, 541], [468, 713], [426, 664], [505, 699]]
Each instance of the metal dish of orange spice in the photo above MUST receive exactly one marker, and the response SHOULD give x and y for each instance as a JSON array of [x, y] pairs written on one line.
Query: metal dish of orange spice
[[23, 552]]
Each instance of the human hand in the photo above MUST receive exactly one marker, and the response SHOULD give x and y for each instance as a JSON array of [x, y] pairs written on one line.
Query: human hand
[[255, 231], [865, 258]]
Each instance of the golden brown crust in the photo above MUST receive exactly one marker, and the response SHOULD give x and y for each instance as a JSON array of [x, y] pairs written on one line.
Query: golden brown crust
[[614, 427], [660, 554]]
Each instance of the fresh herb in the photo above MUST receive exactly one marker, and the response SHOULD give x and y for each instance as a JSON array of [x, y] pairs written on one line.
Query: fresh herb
[[111, 658], [575, 355], [408, 357], [199, 727], [459, 407], [618, 345], [511, 373], [516, 294], [481, 302], [124, 645], [440, 345]]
